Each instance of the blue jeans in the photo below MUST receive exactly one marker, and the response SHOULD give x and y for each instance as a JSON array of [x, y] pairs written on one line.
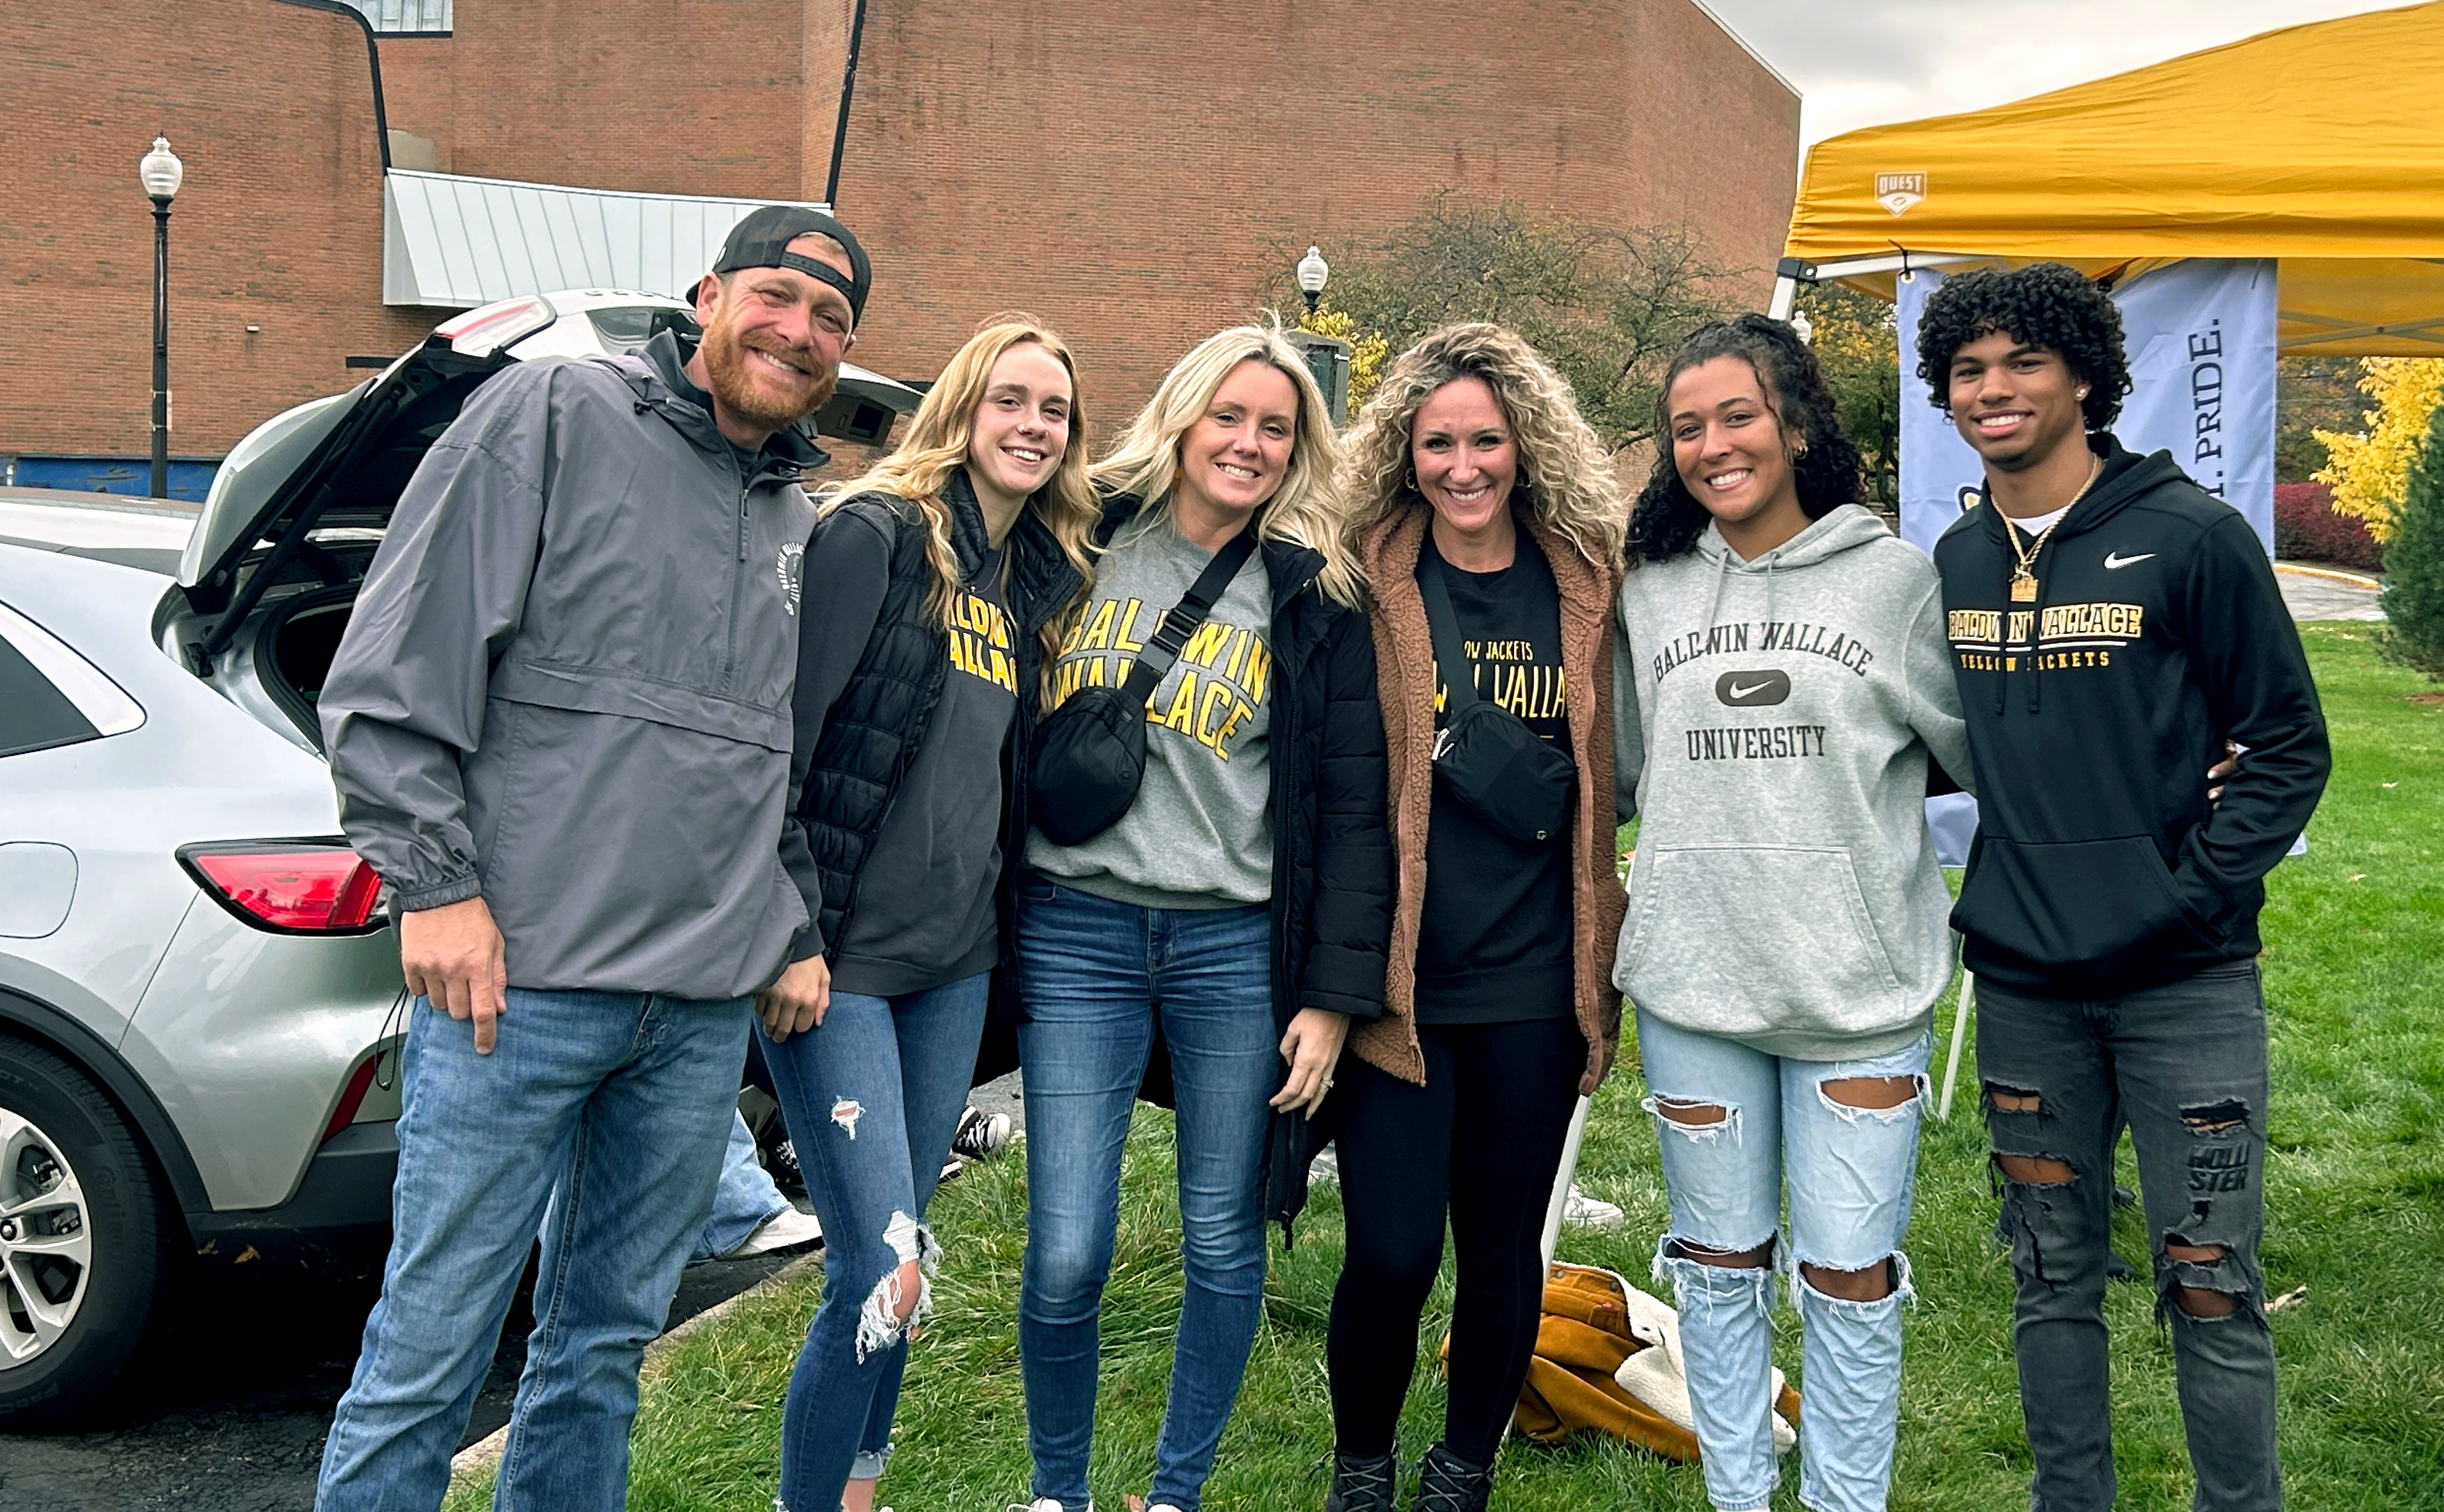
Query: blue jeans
[[743, 1201], [1851, 1173], [1095, 976], [872, 1096], [621, 1100], [2184, 1066]]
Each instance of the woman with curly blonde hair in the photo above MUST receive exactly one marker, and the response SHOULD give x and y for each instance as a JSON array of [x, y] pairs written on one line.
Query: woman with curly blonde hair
[[927, 587], [1477, 487], [1234, 912]]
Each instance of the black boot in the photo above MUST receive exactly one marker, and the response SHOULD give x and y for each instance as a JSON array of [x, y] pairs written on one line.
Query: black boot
[[1363, 1483], [1446, 1483]]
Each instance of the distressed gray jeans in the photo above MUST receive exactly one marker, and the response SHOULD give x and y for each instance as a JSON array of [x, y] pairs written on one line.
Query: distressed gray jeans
[[2184, 1066]]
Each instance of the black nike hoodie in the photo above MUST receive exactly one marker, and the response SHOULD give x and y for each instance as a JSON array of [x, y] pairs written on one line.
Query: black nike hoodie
[[2093, 713]]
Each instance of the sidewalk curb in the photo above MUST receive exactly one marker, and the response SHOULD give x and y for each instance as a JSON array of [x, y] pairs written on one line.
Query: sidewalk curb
[[2355, 579], [484, 1456]]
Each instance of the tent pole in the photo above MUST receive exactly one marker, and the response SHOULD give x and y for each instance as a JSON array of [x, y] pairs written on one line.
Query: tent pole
[[1787, 275], [1959, 1033]]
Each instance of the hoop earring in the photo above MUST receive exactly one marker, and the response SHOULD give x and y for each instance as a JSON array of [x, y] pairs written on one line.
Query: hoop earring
[[1522, 480], [1413, 484]]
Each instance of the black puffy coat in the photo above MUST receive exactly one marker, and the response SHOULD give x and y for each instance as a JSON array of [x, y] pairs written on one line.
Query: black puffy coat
[[1332, 846]]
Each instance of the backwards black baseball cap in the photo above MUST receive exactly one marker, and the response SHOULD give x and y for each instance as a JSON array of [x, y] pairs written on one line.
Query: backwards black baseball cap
[[762, 240]]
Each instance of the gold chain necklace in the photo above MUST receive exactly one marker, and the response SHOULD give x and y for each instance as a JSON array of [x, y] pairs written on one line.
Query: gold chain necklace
[[2024, 577]]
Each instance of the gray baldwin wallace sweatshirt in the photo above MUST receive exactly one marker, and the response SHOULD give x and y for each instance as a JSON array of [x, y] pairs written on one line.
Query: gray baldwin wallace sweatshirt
[[1774, 720]]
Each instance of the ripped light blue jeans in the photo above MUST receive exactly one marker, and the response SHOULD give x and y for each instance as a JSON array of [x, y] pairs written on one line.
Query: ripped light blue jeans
[[1850, 1173]]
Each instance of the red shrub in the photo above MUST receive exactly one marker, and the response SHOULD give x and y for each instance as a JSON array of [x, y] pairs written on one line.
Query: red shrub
[[2307, 529]]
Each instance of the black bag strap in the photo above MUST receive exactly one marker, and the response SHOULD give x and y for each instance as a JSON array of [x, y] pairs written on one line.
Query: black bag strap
[[1458, 675], [1180, 621]]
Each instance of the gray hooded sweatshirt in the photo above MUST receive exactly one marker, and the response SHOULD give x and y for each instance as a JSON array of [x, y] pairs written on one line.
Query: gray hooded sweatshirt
[[566, 685], [1772, 721]]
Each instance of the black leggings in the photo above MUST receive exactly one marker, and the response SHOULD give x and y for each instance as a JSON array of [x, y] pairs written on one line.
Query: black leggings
[[1481, 1140]]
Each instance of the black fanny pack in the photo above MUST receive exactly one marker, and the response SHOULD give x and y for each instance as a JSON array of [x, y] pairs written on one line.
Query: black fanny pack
[[1090, 756], [1485, 756]]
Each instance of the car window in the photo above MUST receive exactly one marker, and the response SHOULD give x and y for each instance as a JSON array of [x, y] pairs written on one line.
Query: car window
[[50, 695], [624, 327]]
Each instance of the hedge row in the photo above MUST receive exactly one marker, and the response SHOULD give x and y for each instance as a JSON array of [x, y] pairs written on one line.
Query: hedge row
[[2307, 529]]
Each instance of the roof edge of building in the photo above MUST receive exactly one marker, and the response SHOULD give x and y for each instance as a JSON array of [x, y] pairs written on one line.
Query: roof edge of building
[[1732, 32]]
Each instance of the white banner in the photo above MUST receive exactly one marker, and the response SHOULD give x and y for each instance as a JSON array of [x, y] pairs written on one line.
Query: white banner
[[2200, 338], [2200, 335]]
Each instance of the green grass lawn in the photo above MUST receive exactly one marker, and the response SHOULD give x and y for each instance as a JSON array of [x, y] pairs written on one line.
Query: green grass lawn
[[2354, 1182]]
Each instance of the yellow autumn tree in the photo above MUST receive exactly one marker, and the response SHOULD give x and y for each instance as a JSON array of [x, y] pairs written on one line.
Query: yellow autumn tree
[[2370, 468], [1368, 349]]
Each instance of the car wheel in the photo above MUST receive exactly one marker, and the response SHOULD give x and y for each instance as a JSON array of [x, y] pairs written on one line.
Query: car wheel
[[82, 1232]]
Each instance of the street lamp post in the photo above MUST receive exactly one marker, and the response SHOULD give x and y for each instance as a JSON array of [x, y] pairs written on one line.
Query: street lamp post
[[1327, 357], [161, 172], [1312, 271]]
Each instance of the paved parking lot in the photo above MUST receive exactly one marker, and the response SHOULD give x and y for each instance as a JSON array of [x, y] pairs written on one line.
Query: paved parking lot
[[239, 1401]]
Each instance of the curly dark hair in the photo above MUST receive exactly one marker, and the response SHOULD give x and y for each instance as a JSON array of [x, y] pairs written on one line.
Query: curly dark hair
[[1668, 519], [2042, 304]]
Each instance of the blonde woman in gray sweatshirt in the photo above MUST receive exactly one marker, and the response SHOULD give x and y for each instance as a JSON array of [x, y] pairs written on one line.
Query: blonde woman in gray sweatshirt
[[1781, 682]]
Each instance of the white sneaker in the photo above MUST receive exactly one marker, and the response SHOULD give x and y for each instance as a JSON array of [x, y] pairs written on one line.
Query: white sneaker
[[1590, 1212], [1046, 1504], [784, 1231]]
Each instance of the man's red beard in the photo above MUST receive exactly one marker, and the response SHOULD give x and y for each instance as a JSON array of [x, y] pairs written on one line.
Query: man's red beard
[[753, 392]]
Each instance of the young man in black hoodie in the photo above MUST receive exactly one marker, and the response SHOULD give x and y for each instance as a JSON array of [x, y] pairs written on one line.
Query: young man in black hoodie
[[2112, 625]]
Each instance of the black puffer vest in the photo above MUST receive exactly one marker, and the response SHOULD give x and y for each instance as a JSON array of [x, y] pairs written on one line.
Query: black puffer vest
[[878, 724]]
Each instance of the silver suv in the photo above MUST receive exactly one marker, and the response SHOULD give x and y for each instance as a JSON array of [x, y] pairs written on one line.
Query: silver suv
[[200, 1003]]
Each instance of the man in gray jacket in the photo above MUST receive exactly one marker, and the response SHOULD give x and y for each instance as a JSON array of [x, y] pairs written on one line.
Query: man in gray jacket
[[559, 725]]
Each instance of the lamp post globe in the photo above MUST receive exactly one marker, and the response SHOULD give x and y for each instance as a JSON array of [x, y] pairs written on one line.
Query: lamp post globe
[[1312, 271], [161, 173]]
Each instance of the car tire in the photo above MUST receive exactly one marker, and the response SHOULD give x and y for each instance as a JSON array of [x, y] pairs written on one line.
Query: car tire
[[69, 1162]]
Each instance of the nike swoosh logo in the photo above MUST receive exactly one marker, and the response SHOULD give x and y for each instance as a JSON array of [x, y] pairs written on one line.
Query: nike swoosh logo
[[1743, 689], [2113, 560]]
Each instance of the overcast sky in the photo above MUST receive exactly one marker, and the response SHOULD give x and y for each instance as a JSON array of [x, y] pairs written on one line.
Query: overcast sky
[[1862, 62]]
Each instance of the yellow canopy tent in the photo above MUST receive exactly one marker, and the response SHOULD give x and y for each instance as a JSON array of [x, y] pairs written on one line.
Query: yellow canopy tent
[[2319, 145]]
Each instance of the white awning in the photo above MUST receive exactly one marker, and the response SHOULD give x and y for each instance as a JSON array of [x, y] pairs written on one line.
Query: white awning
[[455, 242]]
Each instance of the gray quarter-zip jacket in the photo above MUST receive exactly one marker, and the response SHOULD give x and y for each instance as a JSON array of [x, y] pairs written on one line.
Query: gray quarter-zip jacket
[[566, 685]]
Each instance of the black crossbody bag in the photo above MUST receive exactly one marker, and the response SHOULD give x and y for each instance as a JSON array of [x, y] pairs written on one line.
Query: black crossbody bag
[[1090, 756], [1518, 782]]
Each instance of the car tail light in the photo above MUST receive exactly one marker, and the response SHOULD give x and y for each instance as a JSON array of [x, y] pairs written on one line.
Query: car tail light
[[482, 332], [289, 886], [352, 1096]]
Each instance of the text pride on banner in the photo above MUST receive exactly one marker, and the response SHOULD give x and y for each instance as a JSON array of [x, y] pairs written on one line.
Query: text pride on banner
[[2200, 336]]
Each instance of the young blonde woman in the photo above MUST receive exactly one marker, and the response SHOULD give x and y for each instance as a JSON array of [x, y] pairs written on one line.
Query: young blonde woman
[[926, 589], [1472, 475], [1238, 908]]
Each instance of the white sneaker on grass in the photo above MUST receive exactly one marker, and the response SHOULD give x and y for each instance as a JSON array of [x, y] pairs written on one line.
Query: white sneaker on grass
[[1046, 1504], [784, 1231], [1582, 1211]]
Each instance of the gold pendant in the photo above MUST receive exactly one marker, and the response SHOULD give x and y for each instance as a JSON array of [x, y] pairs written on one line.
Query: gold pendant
[[2023, 587]]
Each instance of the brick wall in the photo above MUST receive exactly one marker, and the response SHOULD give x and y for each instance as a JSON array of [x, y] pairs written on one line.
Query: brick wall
[[1130, 170], [277, 226], [671, 97], [421, 92]]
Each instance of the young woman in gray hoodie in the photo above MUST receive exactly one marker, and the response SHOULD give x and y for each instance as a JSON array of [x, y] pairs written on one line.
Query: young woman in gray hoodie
[[1781, 682]]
